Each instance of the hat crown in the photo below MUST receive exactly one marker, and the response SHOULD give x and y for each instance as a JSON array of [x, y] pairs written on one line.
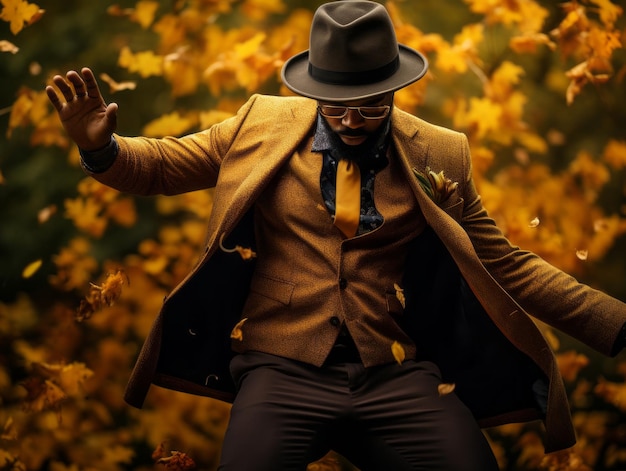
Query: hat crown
[[353, 54], [352, 36]]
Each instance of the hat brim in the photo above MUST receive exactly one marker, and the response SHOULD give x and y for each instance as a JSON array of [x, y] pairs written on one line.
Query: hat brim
[[295, 75]]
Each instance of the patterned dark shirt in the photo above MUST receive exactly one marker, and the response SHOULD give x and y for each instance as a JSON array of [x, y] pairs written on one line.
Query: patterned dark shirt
[[373, 161]]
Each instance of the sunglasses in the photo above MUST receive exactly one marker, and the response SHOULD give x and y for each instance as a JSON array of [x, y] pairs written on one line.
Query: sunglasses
[[366, 112]]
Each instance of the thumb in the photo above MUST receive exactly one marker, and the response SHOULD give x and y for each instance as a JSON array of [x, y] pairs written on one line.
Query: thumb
[[111, 115]]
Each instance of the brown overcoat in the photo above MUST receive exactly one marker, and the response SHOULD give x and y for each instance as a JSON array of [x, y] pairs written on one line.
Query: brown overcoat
[[501, 364]]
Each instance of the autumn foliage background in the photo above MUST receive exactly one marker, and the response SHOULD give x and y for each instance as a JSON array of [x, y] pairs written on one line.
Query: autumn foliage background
[[539, 88]]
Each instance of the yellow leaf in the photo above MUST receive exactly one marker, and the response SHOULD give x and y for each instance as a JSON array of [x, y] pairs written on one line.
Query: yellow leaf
[[609, 12], [398, 352], [18, 13], [6, 46], [144, 12], [615, 154], [445, 388], [46, 213], [117, 86], [250, 47], [237, 332], [111, 288], [400, 294], [146, 64], [172, 124], [86, 213], [31, 268]]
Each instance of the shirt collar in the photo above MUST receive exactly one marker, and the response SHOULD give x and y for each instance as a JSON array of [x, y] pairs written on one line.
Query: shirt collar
[[375, 155]]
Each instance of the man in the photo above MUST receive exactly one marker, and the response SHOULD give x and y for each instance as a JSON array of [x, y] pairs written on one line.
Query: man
[[351, 324]]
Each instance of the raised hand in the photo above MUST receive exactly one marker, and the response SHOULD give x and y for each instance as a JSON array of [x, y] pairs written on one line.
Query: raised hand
[[86, 117]]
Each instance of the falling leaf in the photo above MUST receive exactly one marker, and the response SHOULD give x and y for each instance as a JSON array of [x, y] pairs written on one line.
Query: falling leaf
[[6, 46], [19, 13], [400, 294], [31, 268], [103, 295], [237, 332], [144, 13], [117, 86], [445, 388], [177, 462], [534, 222], [46, 213], [398, 352], [582, 254]]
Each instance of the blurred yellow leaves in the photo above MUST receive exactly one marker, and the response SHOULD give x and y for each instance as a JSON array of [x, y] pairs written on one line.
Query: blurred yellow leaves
[[172, 124], [50, 384], [32, 109], [612, 392], [590, 41], [145, 63], [98, 204], [19, 13]]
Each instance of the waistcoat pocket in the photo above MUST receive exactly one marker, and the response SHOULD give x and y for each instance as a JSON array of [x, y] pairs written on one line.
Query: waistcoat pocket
[[272, 288]]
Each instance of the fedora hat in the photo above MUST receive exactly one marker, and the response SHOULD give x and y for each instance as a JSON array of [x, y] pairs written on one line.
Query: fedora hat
[[353, 54]]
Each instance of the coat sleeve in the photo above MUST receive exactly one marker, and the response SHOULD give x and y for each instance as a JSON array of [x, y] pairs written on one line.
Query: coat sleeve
[[541, 289], [173, 165]]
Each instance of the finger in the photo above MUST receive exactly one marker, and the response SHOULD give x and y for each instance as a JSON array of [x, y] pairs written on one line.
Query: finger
[[93, 91], [77, 83], [64, 87], [54, 98]]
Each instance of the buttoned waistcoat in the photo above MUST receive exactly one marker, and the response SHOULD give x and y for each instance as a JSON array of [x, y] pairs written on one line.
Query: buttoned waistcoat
[[469, 292]]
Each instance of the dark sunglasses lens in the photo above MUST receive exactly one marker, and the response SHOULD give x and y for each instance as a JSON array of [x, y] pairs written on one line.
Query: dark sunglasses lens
[[373, 111], [333, 111]]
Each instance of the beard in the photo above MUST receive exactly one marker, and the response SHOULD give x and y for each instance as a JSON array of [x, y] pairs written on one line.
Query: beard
[[360, 151]]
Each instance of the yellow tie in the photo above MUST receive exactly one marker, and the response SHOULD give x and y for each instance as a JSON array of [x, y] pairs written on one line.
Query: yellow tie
[[348, 197]]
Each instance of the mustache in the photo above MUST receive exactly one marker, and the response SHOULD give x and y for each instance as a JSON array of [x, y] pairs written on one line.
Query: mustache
[[353, 132]]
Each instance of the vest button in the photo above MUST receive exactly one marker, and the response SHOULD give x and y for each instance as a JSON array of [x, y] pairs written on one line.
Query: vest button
[[343, 283], [335, 321]]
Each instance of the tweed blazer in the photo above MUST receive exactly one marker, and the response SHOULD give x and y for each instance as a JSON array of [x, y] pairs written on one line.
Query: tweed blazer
[[470, 294]]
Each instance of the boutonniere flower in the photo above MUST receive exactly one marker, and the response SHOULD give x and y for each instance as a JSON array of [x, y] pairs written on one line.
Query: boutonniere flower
[[436, 185]]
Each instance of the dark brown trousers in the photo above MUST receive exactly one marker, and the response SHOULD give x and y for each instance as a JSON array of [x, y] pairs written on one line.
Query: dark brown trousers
[[288, 414]]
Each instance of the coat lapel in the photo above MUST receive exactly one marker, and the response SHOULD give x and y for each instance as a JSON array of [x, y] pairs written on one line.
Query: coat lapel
[[244, 175]]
